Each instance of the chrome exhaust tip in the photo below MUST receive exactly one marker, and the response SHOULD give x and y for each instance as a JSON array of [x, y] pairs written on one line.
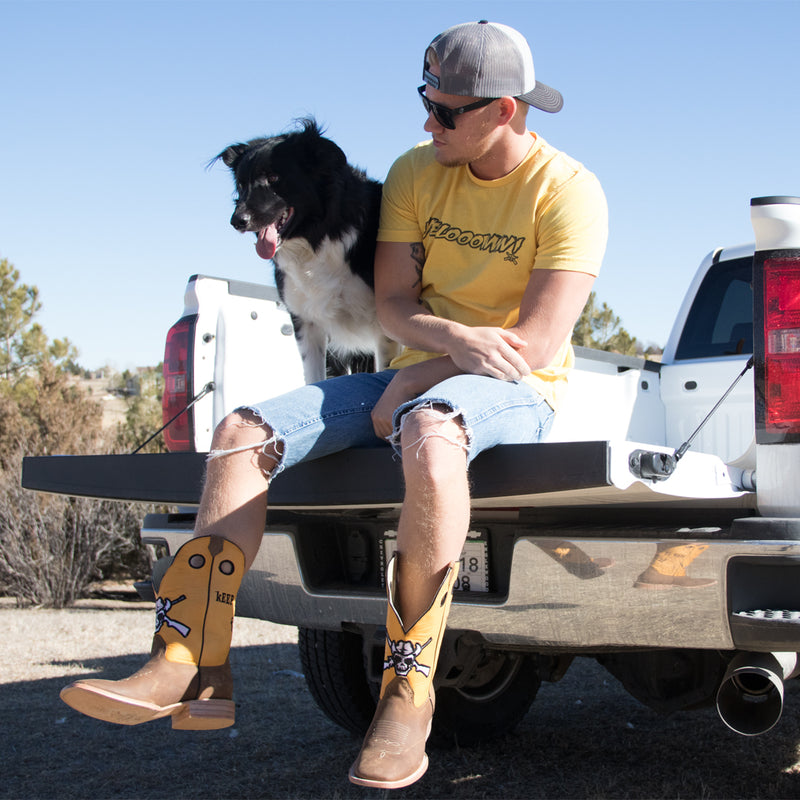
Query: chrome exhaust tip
[[750, 697]]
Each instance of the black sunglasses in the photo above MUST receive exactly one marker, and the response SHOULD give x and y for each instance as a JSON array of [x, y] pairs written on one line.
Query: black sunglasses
[[446, 116]]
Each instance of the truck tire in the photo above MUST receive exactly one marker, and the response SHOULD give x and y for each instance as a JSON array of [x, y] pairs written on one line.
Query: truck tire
[[491, 705], [333, 666]]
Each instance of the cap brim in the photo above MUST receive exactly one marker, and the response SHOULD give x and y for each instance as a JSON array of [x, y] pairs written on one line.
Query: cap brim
[[544, 97]]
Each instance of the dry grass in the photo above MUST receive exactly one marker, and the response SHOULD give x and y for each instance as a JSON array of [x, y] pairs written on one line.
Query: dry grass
[[584, 737], [52, 547]]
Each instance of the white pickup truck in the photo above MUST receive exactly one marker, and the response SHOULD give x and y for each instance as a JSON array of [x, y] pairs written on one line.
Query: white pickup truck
[[648, 533]]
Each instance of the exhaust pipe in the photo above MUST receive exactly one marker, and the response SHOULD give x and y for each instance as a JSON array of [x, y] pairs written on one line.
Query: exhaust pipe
[[750, 697]]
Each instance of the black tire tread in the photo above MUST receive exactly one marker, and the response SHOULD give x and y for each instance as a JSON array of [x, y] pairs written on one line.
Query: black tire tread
[[333, 666]]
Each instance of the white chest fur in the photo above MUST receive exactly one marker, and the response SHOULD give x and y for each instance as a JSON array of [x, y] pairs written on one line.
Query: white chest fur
[[321, 289]]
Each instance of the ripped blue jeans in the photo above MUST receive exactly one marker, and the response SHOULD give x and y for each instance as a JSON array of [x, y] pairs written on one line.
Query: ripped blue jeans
[[334, 415]]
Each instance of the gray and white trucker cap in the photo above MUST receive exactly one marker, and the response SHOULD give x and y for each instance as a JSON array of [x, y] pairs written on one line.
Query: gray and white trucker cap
[[487, 59]]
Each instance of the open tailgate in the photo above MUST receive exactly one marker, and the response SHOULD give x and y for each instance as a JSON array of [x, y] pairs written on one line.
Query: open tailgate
[[367, 477], [544, 474]]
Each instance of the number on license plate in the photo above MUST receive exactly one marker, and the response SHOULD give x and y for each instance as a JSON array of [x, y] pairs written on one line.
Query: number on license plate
[[473, 574]]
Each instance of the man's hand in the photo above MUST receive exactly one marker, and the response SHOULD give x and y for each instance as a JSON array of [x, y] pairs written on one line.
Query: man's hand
[[486, 351], [395, 394], [492, 352]]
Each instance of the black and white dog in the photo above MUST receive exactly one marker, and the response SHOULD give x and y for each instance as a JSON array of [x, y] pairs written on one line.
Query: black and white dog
[[316, 217]]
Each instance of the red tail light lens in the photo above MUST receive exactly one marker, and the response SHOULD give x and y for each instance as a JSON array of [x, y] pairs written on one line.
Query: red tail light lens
[[782, 345], [179, 436]]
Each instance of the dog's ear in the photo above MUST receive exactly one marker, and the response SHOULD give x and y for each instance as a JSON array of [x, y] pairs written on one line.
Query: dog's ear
[[320, 152], [230, 155], [335, 154]]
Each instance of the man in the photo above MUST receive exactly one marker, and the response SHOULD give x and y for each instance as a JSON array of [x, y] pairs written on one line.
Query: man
[[489, 243]]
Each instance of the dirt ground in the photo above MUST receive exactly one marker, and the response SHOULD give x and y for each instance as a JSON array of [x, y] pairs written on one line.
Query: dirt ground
[[583, 738]]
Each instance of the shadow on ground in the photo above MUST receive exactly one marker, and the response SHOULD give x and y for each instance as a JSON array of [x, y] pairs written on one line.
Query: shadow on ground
[[584, 738]]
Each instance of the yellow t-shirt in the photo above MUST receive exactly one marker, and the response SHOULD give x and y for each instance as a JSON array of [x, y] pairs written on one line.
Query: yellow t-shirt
[[483, 238]]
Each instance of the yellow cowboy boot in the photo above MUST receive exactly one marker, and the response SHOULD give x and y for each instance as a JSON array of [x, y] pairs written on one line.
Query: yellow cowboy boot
[[393, 754], [188, 676], [668, 568]]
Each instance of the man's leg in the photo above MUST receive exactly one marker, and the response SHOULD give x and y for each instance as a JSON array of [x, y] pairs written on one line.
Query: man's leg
[[234, 500], [433, 525], [436, 510], [188, 674]]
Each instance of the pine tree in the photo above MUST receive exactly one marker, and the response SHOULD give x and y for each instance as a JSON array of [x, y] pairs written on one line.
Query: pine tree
[[23, 342], [599, 328], [51, 547]]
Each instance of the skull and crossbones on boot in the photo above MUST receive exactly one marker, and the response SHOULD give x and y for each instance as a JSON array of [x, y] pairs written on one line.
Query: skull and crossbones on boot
[[403, 657]]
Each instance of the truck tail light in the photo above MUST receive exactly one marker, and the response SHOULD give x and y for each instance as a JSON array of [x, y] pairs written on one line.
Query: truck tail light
[[782, 334], [178, 356], [776, 285]]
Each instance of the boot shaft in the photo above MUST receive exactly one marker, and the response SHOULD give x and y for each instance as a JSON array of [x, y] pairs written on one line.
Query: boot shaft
[[196, 601], [414, 652], [675, 559]]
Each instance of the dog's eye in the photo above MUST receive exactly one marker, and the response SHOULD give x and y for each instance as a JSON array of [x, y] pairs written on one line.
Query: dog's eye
[[272, 179]]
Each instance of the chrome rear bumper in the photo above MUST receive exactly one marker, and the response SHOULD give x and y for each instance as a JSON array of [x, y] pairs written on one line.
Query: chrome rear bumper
[[555, 603]]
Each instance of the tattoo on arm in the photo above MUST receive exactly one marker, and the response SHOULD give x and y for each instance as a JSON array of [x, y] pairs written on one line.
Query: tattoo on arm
[[418, 257]]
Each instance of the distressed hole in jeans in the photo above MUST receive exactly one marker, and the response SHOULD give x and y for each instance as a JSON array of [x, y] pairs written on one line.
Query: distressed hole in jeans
[[438, 413], [274, 441]]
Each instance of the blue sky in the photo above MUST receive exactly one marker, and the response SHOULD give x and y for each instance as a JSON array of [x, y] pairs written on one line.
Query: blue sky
[[109, 112]]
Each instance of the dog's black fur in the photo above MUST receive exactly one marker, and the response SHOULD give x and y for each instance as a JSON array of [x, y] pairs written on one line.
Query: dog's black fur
[[316, 217]]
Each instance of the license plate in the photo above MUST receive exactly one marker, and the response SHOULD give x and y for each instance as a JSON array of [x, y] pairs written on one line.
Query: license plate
[[473, 574]]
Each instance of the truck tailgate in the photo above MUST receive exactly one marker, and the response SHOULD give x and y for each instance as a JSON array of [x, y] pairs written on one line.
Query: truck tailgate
[[549, 473]]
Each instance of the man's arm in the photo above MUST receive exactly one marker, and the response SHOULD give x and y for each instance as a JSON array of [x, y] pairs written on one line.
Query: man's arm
[[482, 351], [398, 285], [551, 304], [487, 351], [550, 307]]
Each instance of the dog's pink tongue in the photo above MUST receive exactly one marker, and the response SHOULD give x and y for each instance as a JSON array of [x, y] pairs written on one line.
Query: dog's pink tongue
[[267, 241]]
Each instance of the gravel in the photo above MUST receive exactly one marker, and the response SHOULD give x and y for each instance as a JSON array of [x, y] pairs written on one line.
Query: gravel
[[583, 738]]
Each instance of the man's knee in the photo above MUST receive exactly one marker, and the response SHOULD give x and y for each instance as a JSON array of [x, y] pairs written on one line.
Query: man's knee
[[244, 434], [239, 429], [431, 436]]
